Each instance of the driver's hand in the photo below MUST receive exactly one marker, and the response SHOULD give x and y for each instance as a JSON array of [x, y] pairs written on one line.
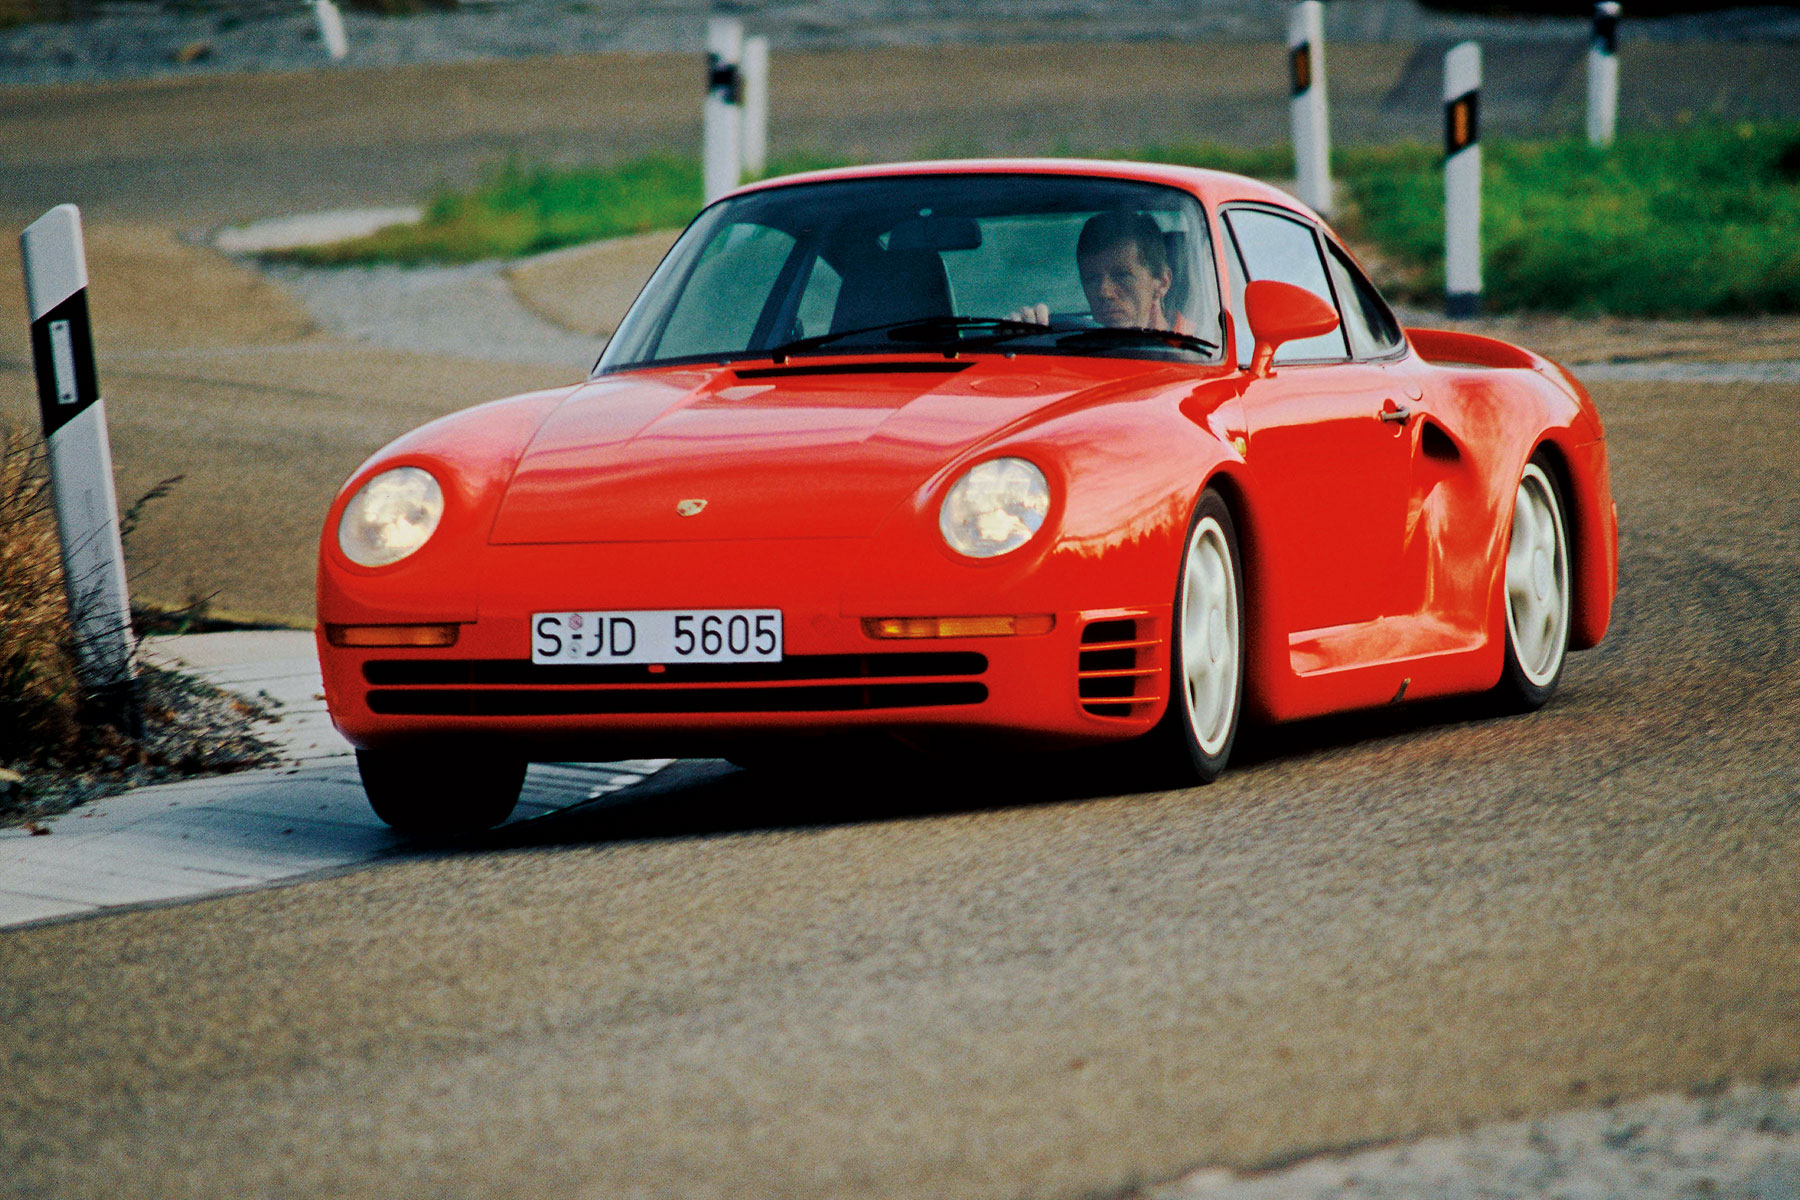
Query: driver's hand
[[1032, 314]]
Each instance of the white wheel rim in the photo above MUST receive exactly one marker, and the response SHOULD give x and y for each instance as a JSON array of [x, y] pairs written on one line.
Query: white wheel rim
[[1537, 579], [1209, 636]]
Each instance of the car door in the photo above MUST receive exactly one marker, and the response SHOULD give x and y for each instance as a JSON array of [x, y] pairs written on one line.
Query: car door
[[1448, 540], [1374, 336], [1328, 452]]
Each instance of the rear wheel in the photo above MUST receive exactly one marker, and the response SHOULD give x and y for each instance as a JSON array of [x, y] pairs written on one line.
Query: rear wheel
[[441, 795], [1539, 593], [1206, 669]]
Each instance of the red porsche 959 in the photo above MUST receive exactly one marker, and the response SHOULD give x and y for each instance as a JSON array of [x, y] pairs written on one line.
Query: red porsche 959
[[1048, 452]]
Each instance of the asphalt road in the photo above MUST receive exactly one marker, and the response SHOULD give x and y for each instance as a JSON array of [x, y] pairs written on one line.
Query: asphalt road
[[1023, 983], [1371, 927]]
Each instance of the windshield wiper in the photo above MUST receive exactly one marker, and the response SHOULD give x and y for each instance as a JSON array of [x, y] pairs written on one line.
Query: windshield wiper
[[1111, 336], [922, 330]]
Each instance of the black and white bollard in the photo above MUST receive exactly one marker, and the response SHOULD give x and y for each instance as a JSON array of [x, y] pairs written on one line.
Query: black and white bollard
[[723, 158], [1603, 74], [1462, 180], [1306, 106], [331, 29], [80, 458], [756, 106]]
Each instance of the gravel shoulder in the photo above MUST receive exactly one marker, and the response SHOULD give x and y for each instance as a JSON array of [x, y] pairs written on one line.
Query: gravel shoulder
[[1741, 1143], [198, 37]]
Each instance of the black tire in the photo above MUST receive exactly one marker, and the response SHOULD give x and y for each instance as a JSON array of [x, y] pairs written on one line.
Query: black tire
[[442, 795], [1200, 725], [1539, 599]]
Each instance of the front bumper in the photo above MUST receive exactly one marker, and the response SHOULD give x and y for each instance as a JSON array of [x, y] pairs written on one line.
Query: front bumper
[[1099, 674]]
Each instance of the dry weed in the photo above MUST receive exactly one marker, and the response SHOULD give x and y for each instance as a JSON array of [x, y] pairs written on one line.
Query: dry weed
[[40, 697], [55, 750]]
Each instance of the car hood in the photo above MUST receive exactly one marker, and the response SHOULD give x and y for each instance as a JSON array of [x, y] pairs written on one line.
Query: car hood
[[799, 451]]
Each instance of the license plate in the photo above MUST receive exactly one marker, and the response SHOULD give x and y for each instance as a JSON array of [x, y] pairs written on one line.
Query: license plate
[[709, 635]]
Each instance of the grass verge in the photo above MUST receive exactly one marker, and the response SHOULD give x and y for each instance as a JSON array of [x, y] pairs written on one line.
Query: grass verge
[[520, 210], [1698, 221], [1694, 221]]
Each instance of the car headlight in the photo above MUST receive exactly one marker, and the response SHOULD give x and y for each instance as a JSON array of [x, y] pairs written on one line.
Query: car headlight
[[390, 516], [995, 507]]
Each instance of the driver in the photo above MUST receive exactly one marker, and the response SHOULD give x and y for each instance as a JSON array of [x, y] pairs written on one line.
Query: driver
[[1125, 272]]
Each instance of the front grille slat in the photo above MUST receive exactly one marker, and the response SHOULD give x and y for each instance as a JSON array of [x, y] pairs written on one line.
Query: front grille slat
[[513, 672], [1115, 630], [798, 683], [641, 701]]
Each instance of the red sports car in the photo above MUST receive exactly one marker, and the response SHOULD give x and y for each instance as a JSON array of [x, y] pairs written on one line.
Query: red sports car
[[1048, 452]]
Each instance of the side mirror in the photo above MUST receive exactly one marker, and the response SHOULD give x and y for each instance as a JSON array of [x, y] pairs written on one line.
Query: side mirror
[[1281, 312]]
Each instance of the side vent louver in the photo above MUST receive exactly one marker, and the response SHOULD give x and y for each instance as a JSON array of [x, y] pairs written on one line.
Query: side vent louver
[[1122, 665]]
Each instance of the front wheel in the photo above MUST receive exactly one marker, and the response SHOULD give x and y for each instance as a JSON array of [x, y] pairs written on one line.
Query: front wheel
[[1539, 593], [1206, 667], [441, 795]]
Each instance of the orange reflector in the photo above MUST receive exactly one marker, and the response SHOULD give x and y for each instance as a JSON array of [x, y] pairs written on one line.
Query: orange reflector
[[391, 635], [957, 627]]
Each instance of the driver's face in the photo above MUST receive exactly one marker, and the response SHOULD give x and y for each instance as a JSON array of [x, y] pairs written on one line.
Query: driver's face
[[1121, 291]]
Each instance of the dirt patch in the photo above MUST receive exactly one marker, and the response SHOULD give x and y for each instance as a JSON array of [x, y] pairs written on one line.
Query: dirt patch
[[587, 289], [148, 289]]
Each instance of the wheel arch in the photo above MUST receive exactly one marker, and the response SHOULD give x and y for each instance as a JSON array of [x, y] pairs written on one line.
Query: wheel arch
[[1593, 537], [1227, 479]]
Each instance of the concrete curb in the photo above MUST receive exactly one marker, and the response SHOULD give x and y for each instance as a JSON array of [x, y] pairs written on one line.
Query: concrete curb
[[200, 837]]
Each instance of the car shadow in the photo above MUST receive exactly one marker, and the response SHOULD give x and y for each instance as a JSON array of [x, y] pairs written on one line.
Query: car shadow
[[698, 798], [1316, 735]]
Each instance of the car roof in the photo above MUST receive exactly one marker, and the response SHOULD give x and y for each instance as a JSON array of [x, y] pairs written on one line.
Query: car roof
[[1212, 187]]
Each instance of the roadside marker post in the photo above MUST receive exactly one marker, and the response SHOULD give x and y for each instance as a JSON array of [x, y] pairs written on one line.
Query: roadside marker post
[[80, 459], [723, 157], [331, 29], [756, 106], [1603, 74], [1307, 105], [1462, 180]]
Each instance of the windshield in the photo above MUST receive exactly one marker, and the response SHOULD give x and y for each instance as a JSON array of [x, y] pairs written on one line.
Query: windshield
[[1038, 263]]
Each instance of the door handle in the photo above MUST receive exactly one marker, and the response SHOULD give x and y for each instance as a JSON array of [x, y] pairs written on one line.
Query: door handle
[[1395, 414]]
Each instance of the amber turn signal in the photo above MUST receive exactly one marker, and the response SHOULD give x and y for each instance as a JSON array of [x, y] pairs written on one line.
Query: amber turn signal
[[391, 635], [957, 627]]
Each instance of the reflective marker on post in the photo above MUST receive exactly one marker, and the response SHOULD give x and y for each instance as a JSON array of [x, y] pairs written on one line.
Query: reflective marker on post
[[1311, 121], [756, 106], [1603, 74], [80, 457], [723, 159], [1462, 180], [331, 29]]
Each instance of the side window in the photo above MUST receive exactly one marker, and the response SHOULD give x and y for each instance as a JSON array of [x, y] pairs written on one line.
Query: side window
[[1286, 250], [719, 306], [1367, 319]]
